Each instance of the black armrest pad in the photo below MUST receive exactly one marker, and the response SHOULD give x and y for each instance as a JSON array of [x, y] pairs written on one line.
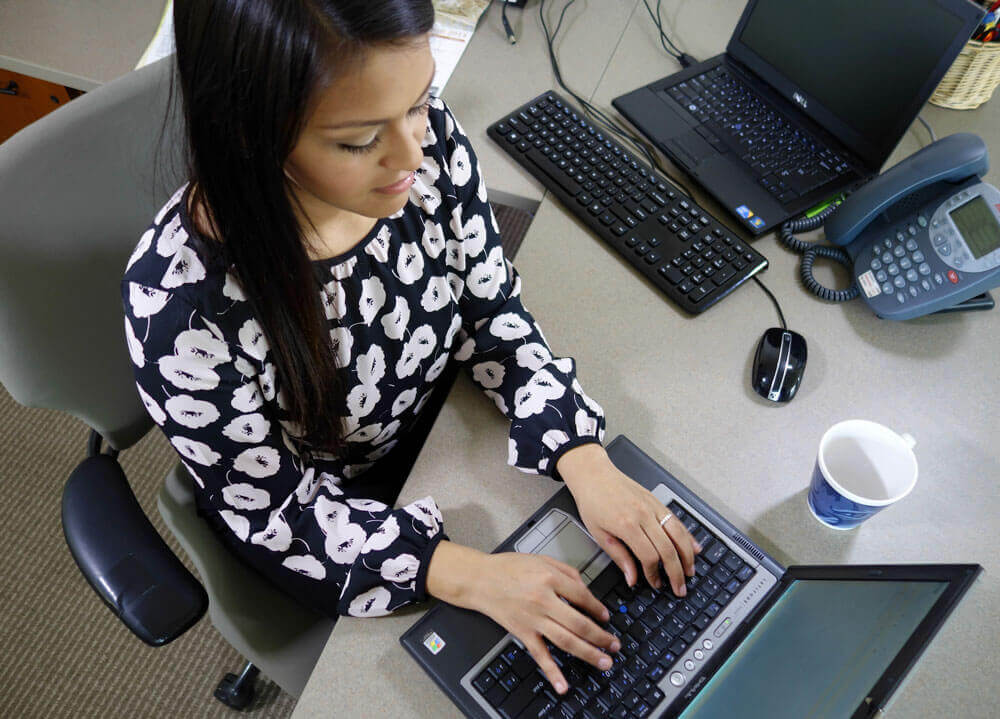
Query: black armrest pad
[[120, 553]]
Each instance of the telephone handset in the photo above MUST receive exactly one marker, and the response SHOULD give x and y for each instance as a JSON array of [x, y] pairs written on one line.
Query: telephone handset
[[924, 235]]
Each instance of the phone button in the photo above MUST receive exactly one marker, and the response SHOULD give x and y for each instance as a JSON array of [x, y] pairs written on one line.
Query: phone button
[[944, 250], [921, 220], [953, 277], [676, 678]]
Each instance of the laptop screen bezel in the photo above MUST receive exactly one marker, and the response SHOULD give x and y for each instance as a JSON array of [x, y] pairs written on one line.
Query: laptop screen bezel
[[873, 154], [958, 576]]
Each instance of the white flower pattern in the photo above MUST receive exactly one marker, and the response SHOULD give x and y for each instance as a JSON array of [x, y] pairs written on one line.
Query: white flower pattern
[[426, 285]]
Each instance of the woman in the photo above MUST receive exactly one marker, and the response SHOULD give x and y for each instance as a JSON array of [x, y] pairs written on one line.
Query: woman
[[292, 306]]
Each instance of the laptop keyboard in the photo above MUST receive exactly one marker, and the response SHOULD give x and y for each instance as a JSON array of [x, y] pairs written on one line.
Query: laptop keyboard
[[678, 245], [786, 160], [655, 629]]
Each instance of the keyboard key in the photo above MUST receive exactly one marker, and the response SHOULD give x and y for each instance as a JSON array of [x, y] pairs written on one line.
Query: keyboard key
[[483, 682], [495, 695], [723, 276], [732, 561], [508, 681], [519, 699], [498, 668]]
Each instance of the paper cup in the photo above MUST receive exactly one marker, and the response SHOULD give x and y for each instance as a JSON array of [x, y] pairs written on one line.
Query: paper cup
[[861, 468]]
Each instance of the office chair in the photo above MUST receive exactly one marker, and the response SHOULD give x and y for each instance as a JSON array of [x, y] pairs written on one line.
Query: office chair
[[77, 189]]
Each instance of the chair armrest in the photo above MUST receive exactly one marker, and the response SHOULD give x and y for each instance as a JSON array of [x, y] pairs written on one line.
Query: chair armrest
[[123, 557]]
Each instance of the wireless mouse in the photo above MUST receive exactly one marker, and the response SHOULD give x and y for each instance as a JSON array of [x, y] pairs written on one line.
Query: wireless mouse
[[779, 364]]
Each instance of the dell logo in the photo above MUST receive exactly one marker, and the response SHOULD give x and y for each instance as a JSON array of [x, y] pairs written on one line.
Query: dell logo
[[800, 99]]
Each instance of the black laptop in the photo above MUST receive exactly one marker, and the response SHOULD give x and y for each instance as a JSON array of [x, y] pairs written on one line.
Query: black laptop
[[750, 639], [809, 99]]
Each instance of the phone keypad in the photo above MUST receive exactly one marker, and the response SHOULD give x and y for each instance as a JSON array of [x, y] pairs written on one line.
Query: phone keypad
[[902, 270]]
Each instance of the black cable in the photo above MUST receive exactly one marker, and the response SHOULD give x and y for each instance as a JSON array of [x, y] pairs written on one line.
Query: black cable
[[511, 38], [675, 52], [781, 315], [811, 251], [598, 115]]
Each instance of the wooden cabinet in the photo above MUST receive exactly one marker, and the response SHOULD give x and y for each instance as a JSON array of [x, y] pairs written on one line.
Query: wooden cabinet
[[31, 99]]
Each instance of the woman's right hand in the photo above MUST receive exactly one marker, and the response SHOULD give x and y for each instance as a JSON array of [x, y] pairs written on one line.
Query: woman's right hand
[[525, 593]]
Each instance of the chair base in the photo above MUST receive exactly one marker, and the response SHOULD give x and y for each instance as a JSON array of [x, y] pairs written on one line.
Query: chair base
[[237, 692]]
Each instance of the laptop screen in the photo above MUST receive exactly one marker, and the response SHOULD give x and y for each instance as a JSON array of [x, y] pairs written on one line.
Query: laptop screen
[[864, 62], [822, 646]]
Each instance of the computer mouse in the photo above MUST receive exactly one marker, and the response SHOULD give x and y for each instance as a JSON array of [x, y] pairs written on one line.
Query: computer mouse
[[779, 364]]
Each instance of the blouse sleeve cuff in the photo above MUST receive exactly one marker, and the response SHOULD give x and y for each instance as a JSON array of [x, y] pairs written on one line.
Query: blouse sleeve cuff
[[564, 448], [420, 586]]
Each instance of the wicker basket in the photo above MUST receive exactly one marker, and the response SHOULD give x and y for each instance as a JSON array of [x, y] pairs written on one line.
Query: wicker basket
[[972, 78]]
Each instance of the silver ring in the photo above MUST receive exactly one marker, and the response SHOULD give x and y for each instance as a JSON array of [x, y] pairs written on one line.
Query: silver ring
[[666, 519]]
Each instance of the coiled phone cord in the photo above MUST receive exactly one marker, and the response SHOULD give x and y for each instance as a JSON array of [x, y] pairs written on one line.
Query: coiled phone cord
[[811, 250]]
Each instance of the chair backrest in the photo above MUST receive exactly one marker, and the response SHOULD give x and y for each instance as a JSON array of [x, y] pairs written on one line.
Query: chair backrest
[[77, 189]]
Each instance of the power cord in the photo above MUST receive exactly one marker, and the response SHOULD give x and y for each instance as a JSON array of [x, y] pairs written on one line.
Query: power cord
[[811, 250], [675, 52], [930, 129], [511, 38], [595, 113]]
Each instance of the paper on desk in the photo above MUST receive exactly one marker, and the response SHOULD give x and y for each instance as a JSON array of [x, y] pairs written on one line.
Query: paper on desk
[[454, 23]]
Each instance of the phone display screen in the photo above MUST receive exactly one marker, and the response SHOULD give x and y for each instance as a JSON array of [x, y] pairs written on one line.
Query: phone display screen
[[978, 227]]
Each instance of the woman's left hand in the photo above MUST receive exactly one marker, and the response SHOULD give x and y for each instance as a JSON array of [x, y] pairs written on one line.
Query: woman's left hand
[[624, 519]]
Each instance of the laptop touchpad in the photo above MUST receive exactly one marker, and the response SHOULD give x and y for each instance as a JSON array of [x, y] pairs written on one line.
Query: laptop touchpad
[[691, 148], [561, 537]]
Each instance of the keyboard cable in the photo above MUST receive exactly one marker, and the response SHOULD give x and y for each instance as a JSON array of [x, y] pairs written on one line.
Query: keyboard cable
[[598, 115]]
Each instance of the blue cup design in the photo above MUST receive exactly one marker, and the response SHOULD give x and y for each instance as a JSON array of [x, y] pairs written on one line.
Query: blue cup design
[[834, 509], [861, 468]]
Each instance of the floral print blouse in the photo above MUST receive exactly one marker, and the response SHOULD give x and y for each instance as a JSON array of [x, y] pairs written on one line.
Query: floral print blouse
[[425, 285]]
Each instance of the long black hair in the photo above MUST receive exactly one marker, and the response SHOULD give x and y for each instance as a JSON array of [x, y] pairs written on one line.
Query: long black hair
[[248, 70]]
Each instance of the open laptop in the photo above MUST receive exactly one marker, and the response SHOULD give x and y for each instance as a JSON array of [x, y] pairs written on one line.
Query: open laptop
[[808, 101], [751, 639]]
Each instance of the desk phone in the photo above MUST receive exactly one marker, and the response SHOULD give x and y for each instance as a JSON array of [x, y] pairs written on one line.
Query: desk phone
[[925, 235]]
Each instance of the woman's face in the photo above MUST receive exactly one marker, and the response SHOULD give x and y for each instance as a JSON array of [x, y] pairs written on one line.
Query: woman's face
[[362, 142]]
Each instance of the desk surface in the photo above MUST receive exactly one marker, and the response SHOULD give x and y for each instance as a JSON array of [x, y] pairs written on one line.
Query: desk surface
[[678, 386], [79, 44]]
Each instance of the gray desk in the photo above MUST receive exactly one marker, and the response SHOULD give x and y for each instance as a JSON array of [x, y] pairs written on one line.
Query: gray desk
[[678, 386], [79, 44]]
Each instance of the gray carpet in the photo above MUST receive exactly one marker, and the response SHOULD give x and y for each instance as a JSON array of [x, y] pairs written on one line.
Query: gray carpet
[[62, 652]]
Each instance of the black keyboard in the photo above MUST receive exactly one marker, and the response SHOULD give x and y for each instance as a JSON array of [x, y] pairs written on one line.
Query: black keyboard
[[677, 245], [788, 161], [655, 629]]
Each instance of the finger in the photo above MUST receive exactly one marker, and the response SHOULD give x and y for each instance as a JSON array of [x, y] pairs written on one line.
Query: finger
[[580, 624], [646, 553], [683, 542], [668, 556], [570, 584], [540, 653], [619, 555], [570, 642]]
